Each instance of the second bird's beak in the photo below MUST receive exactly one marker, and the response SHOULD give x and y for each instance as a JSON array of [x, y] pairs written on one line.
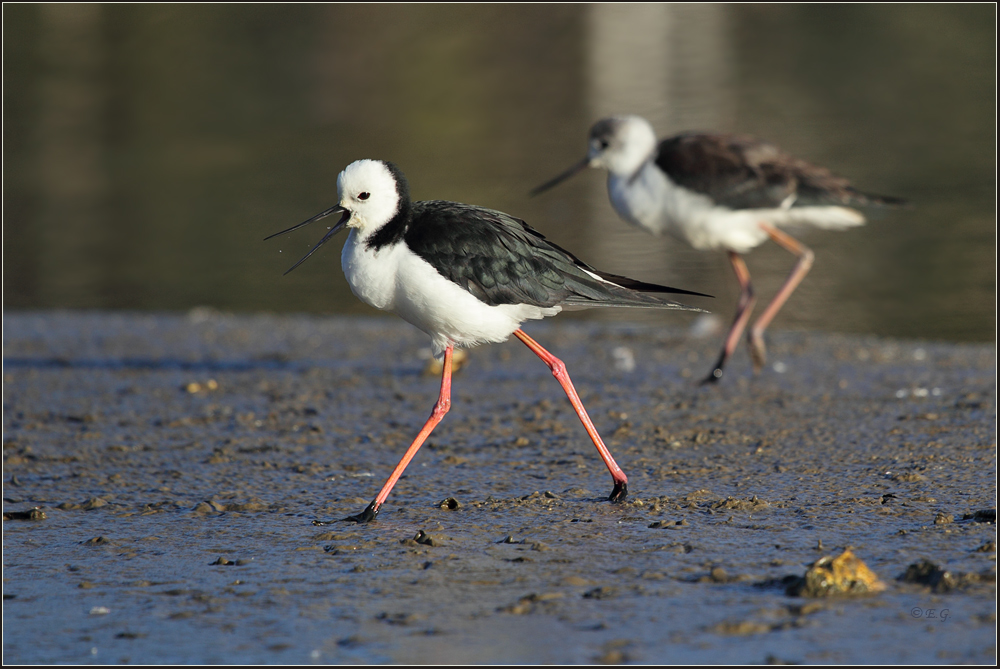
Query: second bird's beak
[[336, 209], [579, 167]]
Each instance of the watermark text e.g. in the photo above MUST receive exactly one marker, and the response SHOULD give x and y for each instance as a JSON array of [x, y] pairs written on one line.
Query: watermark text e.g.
[[929, 614]]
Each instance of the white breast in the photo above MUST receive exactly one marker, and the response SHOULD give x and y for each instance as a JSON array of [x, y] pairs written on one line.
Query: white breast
[[371, 274], [650, 200], [396, 279]]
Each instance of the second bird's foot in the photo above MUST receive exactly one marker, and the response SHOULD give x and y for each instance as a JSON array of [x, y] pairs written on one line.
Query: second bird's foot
[[365, 516], [619, 493]]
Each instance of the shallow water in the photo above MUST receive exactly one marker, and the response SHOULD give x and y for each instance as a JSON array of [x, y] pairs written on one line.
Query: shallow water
[[859, 441]]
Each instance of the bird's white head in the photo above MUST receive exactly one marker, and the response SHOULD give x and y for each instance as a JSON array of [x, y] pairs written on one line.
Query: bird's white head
[[621, 144], [372, 191]]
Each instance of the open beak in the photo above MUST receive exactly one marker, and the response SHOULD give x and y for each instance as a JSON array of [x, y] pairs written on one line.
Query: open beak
[[580, 166], [336, 209]]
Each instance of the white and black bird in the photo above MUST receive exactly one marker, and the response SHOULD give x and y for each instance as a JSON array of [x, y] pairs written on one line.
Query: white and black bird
[[465, 275], [721, 192]]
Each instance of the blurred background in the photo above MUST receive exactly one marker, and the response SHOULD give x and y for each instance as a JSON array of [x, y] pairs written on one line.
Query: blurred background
[[148, 149]]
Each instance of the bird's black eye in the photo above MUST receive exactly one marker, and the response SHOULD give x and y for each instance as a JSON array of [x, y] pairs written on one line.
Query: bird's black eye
[[364, 196]]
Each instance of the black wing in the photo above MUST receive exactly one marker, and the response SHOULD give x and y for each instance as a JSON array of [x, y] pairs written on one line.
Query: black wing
[[741, 172], [501, 260]]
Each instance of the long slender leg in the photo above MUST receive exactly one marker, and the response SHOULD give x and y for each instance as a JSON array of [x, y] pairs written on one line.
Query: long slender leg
[[756, 336], [744, 307], [620, 491], [440, 409]]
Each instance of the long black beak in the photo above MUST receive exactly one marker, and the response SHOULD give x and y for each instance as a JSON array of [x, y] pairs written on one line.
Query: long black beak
[[583, 164], [336, 209]]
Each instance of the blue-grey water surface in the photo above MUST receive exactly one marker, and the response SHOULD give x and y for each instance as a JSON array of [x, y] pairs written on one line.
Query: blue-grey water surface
[[158, 445]]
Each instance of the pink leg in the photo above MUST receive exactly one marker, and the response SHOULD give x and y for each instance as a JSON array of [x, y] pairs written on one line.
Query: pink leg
[[743, 310], [756, 338], [620, 491], [440, 409]]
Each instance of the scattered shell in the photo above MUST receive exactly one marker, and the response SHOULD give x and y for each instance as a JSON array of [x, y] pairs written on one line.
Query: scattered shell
[[449, 503]]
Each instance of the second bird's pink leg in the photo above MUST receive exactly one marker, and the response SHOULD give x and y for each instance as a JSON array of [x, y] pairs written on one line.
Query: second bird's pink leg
[[756, 337], [744, 307], [440, 409], [620, 491]]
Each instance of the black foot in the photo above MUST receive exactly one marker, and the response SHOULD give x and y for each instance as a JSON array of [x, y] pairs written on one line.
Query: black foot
[[365, 516], [619, 493], [713, 377]]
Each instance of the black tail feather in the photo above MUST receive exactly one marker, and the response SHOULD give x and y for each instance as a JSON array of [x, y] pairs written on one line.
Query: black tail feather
[[642, 286]]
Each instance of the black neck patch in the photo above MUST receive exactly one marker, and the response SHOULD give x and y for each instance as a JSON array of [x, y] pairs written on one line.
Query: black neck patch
[[392, 232]]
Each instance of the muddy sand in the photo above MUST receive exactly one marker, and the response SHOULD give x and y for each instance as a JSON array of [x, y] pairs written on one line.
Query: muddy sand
[[178, 463]]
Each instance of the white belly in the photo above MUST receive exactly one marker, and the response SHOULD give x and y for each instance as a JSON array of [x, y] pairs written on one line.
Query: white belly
[[653, 202], [395, 279]]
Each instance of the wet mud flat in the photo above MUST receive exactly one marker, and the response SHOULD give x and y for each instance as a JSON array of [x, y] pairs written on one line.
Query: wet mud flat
[[162, 474]]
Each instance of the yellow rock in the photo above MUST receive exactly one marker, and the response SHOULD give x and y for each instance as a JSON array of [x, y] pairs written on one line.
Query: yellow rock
[[458, 359], [845, 574]]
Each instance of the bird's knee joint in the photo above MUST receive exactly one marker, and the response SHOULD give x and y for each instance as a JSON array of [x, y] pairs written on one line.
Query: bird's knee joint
[[558, 368]]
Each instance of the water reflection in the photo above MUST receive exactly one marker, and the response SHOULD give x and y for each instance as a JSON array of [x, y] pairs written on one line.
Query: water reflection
[[149, 148]]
